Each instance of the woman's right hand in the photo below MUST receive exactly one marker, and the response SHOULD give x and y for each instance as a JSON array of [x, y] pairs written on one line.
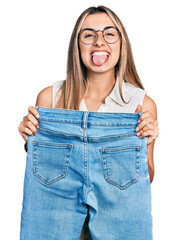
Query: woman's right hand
[[29, 124]]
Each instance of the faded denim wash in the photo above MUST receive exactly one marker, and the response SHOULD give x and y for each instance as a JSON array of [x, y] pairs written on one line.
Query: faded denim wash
[[83, 161]]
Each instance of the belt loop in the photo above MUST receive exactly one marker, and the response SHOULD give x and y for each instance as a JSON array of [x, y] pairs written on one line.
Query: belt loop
[[84, 119]]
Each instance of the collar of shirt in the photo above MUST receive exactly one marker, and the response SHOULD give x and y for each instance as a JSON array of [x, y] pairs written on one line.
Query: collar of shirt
[[115, 95]]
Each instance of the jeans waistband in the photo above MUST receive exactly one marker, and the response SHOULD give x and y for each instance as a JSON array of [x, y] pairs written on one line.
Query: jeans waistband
[[86, 118]]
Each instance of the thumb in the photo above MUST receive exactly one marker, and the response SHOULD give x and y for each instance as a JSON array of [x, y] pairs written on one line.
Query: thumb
[[138, 109]]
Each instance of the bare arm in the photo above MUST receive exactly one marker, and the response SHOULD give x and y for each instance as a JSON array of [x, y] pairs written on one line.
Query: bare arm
[[150, 106], [44, 98]]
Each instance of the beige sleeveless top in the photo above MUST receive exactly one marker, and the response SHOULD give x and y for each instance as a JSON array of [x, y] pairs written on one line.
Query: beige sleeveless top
[[113, 102]]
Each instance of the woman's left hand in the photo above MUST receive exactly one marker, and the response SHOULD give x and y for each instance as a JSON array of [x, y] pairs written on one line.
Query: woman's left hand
[[148, 126]]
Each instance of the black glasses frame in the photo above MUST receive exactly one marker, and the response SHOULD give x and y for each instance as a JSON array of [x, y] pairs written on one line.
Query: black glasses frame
[[91, 29]]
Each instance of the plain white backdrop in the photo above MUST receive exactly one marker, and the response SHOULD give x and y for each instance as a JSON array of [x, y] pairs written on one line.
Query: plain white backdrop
[[34, 39]]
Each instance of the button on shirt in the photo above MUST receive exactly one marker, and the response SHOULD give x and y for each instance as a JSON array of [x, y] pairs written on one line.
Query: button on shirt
[[113, 102]]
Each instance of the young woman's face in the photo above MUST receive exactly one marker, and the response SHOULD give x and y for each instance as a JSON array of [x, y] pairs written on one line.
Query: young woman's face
[[94, 61]]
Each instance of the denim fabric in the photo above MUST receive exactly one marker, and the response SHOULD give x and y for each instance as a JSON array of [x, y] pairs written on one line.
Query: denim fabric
[[83, 161]]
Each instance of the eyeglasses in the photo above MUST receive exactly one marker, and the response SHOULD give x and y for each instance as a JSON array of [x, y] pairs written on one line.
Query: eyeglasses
[[88, 35]]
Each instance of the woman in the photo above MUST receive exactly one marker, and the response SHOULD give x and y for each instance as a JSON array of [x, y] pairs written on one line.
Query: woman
[[101, 77]]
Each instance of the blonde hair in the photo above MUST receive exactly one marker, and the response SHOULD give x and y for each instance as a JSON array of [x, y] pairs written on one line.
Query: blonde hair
[[75, 85]]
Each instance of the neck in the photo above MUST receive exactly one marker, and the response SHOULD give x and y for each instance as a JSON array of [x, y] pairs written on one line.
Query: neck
[[100, 85]]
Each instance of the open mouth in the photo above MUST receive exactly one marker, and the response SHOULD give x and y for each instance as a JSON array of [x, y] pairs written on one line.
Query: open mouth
[[99, 58]]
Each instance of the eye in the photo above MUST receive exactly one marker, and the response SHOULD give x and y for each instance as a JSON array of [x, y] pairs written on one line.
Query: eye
[[88, 35], [109, 34]]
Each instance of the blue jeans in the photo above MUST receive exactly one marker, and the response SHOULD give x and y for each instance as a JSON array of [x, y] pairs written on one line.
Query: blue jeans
[[83, 162]]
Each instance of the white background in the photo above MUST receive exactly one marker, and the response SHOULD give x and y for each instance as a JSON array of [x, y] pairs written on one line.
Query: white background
[[34, 38]]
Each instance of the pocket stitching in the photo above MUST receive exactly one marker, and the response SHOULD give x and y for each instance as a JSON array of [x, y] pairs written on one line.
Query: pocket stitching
[[66, 146], [120, 149]]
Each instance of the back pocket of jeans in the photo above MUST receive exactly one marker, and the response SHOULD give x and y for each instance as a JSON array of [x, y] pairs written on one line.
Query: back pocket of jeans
[[121, 165], [51, 161]]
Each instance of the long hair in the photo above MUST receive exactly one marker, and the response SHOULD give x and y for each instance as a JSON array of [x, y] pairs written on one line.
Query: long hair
[[75, 85]]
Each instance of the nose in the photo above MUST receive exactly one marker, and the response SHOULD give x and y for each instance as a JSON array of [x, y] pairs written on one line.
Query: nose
[[99, 40]]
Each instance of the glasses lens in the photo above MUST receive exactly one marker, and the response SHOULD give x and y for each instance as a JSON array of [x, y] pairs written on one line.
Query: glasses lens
[[111, 35], [87, 36]]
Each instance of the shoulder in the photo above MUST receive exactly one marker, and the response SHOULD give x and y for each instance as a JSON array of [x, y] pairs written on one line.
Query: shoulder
[[133, 90], [150, 106], [44, 98]]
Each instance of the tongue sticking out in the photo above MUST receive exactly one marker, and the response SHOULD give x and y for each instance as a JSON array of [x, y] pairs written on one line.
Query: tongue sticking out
[[99, 59]]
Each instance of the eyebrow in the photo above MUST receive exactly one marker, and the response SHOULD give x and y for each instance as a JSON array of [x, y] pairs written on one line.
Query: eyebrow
[[107, 27]]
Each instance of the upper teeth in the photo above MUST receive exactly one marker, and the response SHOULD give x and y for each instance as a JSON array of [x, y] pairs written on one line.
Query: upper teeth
[[99, 53]]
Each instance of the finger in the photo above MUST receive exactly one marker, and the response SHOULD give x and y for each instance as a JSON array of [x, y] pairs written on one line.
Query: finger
[[156, 123], [146, 121], [145, 115], [20, 127], [27, 131], [29, 126], [25, 137], [150, 140], [32, 119], [33, 111], [139, 108], [149, 133], [148, 126], [157, 131]]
